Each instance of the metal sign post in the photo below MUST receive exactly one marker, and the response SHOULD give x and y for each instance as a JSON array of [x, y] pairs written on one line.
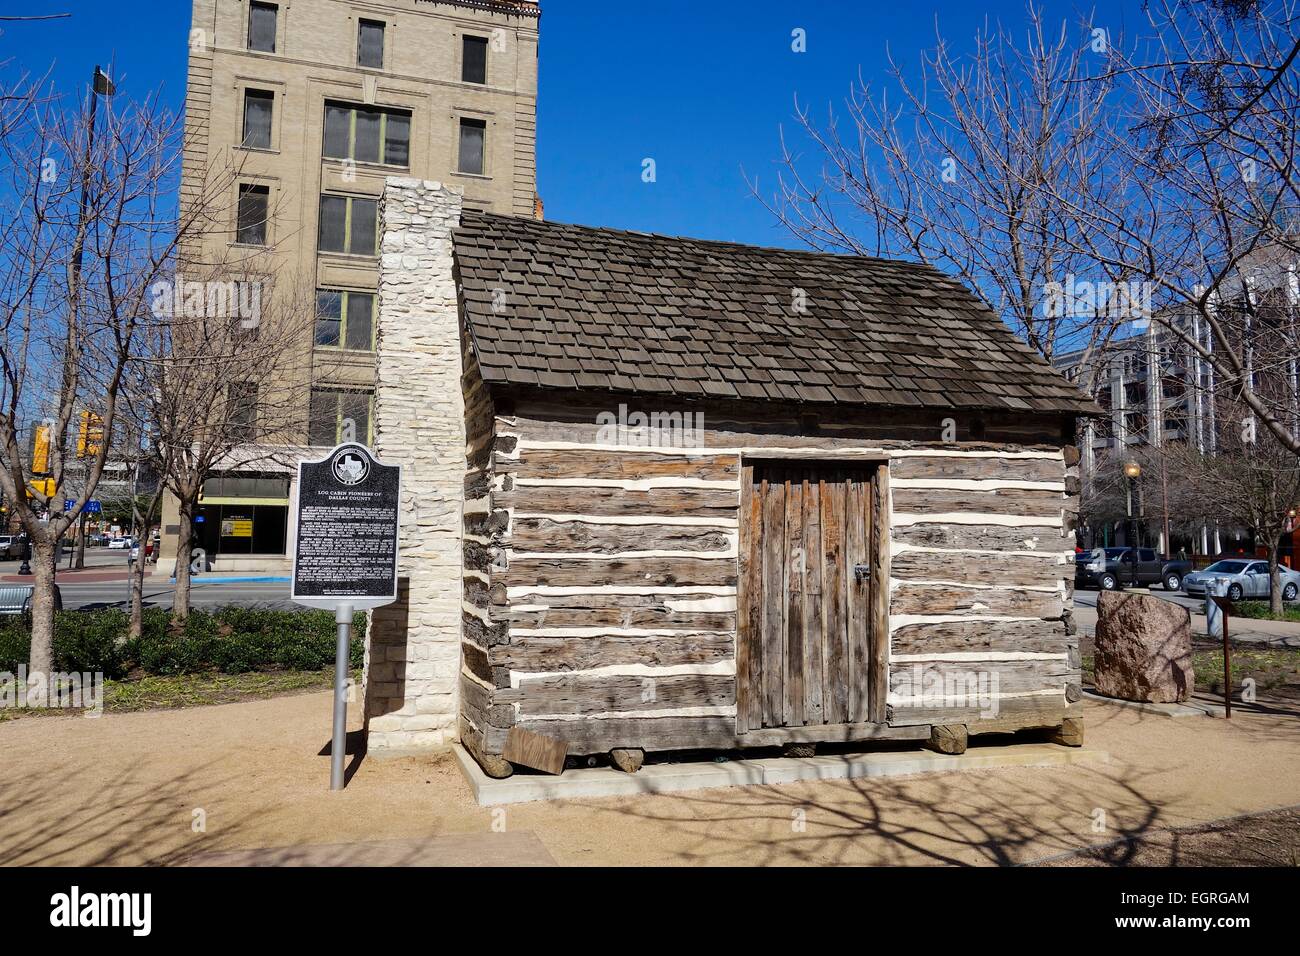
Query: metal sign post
[[342, 658], [345, 555]]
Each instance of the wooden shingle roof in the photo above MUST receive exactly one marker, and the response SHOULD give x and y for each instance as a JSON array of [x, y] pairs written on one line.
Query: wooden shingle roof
[[572, 307]]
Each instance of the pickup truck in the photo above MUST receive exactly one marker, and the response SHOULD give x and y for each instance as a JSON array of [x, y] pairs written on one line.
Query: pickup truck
[[1112, 568]]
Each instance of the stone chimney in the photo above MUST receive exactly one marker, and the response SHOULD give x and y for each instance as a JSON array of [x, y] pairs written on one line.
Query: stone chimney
[[413, 646]]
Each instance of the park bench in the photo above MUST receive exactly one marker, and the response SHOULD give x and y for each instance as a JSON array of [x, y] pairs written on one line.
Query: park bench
[[17, 599]]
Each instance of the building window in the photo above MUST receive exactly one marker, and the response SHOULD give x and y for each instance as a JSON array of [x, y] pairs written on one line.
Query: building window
[[241, 410], [257, 118], [254, 203], [261, 26], [349, 224], [367, 134], [345, 320], [473, 61], [370, 44], [473, 134], [339, 415]]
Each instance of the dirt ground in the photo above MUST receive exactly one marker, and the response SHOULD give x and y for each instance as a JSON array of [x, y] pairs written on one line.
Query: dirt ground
[[165, 786], [1259, 839]]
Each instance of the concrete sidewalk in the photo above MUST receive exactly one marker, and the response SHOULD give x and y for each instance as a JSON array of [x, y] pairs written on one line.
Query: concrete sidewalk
[[1250, 630]]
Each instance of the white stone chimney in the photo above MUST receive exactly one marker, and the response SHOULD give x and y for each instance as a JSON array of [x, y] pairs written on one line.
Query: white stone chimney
[[413, 646]]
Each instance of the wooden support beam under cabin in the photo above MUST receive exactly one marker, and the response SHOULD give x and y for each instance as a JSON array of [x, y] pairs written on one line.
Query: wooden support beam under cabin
[[799, 750], [1069, 734], [494, 765], [627, 759], [948, 738]]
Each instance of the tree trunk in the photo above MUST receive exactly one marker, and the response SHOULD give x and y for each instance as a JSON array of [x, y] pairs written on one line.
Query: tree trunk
[[81, 542], [184, 544], [1274, 581], [136, 627], [41, 658]]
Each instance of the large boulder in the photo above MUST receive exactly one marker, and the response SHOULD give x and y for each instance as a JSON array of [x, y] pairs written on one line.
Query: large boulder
[[1143, 648]]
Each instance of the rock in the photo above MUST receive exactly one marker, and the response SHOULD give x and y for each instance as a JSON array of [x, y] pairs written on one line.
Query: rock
[[1143, 649], [629, 761]]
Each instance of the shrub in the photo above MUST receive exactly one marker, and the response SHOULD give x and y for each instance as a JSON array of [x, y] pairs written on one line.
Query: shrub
[[228, 640]]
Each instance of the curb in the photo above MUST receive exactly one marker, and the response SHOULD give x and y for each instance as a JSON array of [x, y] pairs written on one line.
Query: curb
[[1190, 708], [201, 580], [669, 778]]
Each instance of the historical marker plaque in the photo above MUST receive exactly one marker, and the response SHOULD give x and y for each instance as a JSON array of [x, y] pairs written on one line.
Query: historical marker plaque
[[345, 550]]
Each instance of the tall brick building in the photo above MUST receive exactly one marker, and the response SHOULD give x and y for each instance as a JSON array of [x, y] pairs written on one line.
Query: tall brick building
[[316, 102]]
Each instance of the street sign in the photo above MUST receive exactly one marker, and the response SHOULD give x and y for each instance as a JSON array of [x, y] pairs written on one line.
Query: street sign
[[345, 548], [92, 507], [345, 554]]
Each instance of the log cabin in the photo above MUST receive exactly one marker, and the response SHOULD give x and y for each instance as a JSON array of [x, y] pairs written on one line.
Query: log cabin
[[669, 494]]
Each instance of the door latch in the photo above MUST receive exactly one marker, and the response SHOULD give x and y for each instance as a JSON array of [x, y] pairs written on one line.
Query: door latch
[[861, 571]]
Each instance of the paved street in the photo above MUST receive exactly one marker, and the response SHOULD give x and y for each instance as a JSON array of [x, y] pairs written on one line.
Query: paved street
[[103, 583], [1089, 598]]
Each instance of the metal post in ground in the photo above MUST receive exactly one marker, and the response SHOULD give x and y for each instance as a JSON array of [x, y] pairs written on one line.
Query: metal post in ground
[[342, 652]]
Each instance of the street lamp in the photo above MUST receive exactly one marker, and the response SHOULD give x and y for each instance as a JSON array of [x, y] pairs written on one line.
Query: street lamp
[[1132, 471]]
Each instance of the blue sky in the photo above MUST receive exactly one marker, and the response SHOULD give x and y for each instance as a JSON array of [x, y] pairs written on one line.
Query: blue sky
[[700, 87]]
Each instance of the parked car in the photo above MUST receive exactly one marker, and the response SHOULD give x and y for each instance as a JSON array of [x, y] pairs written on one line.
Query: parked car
[[1244, 578], [12, 546], [120, 544], [1111, 568]]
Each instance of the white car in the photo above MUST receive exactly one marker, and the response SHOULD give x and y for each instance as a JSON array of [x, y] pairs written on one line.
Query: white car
[[1243, 578], [121, 544]]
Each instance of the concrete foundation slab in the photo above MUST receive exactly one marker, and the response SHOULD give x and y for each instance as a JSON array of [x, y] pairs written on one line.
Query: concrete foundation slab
[[668, 778]]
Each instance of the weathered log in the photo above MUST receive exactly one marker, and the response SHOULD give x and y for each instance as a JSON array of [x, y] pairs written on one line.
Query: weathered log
[[494, 765], [984, 537], [679, 502], [550, 654], [588, 695], [962, 467], [999, 570], [659, 572], [1069, 734], [799, 750], [924, 599], [587, 537], [624, 464], [1030, 503], [964, 637], [627, 759], [948, 738]]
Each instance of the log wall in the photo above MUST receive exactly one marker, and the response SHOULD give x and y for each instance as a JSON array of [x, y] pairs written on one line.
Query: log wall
[[601, 573]]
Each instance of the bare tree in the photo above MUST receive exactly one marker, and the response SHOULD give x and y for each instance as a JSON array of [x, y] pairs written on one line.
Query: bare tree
[[86, 233], [1202, 197], [962, 168], [226, 372]]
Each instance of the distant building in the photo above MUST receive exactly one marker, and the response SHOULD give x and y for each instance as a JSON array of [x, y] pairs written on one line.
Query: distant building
[[1156, 389], [320, 100]]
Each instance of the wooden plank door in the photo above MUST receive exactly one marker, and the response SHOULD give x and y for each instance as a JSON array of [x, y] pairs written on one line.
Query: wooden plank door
[[804, 644]]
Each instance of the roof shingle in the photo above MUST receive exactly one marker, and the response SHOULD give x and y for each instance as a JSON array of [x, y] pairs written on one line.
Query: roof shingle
[[690, 317]]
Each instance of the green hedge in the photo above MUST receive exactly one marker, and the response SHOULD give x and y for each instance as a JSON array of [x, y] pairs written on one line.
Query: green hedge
[[229, 640]]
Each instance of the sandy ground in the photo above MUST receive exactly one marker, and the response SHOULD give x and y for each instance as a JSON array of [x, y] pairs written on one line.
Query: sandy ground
[[166, 786]]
